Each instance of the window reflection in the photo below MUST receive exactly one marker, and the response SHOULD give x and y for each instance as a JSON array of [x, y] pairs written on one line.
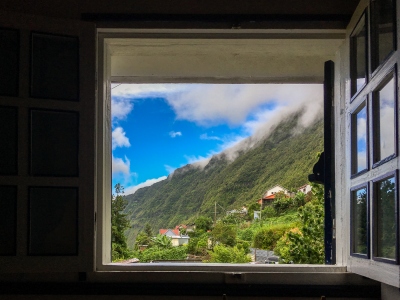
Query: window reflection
[[385, 219], [382, 30], [360, 140], [384, 127], [360, 221], [358, 57]]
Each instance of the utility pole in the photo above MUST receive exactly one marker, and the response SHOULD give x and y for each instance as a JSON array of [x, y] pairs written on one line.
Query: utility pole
[[215, 213]]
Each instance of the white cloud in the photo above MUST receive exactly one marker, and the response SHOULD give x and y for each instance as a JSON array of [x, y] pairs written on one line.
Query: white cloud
[[120, 165], [174, 134], [205, 136], [256, 108], [119, 138], [169, 169], [148, 182], [120, 108]]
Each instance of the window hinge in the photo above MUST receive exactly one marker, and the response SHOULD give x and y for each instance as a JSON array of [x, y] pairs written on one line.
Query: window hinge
[[334, 228]]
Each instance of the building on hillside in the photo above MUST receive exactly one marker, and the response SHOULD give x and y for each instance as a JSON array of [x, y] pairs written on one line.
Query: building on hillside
[[177, 238], [274, 190], [305, 189], [241, 211], [269, 195]]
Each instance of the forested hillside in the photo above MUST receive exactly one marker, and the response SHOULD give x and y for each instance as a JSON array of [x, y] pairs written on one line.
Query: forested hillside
[[282, 158]]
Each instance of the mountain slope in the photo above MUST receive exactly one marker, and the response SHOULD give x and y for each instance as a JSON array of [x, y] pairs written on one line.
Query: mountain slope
[[283, 158]]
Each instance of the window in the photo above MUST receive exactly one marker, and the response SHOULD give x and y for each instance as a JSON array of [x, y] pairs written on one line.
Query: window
[[360, 221], [136, 68], [373, 139]]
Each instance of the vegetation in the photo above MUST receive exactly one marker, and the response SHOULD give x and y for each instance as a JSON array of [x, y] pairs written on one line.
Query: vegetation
[[284, 157], [292, 226], [119, 223], [305, 244]]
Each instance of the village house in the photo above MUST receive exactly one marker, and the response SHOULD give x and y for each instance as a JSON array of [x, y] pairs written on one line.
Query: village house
[[177, 238]]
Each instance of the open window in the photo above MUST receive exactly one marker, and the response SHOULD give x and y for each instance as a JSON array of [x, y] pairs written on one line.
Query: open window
[[372, 139], [129, 58]]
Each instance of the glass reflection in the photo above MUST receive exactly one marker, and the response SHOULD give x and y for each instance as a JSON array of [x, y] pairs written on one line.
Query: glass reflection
[[359, 218], [385, 219], [360, 143], [385, 126], [383, 30], [358, 57]]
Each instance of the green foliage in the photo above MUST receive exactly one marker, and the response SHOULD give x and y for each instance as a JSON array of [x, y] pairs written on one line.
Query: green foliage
[[224, 234], [162, 241], [305, 244], [119, 223], [203, 223], [156, 253], [198, 245], [145, 237], [250, 211], [268, 212], [267, 237], [283, 158], [225, 254], [246, 234]]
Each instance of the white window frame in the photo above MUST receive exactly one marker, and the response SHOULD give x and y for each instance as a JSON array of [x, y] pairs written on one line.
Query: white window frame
[[377, 270], [211, 273]]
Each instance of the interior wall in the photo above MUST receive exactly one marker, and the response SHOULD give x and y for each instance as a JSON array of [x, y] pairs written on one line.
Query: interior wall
[[73, 9]]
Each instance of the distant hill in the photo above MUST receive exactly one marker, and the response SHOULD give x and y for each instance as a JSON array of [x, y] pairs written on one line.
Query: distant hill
[[283, 158]]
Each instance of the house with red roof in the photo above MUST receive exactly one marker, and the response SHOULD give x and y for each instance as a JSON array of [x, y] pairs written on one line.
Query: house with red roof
[[177, 238], [269, 195]]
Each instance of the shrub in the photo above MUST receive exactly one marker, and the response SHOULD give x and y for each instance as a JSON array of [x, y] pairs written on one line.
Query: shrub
[[246, 234], [305, 245], [223, 254], [267, 236], [155, 253], [268, 212]]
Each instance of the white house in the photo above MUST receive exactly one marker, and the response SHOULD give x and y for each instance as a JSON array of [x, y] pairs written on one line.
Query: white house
[[305, 189], [274, 190]]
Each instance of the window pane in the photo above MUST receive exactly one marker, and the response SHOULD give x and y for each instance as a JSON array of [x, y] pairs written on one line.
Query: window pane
[[359, 147], [8, 204], [55, 65], [384, 125], [53, 215], [54, 137], [9, 140], [358, 57], [382, 30], [9, 58], [360, 221], [385, 219]]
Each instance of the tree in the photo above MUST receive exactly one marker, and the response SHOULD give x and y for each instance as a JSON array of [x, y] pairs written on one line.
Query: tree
[[203, 223], [305, 245], [119, 223]]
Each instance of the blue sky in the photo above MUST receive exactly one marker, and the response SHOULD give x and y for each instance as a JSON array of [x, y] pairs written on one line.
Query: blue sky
[[157, 128]]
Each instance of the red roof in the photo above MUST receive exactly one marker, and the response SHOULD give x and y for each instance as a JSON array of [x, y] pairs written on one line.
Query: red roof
[[270, 197], [164, 231]]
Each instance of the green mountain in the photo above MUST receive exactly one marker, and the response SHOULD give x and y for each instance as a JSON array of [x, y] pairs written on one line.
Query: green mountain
[[284, 157]]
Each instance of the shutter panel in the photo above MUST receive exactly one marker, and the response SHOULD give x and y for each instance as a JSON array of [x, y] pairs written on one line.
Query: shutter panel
[[47, 153]]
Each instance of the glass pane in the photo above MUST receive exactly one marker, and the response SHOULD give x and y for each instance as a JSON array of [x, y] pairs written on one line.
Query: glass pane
[[386, 219], [383, 30], [359, 147], [358, 57], [384, 126], [360, 221], [9, 140], [8, 204], [55, 67], [53, 214], [9, 62], [54, 137]]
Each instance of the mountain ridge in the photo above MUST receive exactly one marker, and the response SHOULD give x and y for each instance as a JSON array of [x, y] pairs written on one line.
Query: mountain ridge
[[285, 157]]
